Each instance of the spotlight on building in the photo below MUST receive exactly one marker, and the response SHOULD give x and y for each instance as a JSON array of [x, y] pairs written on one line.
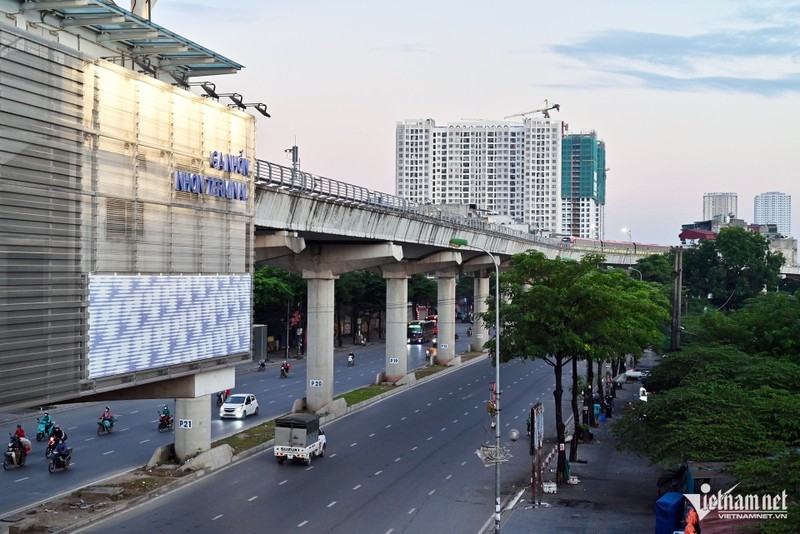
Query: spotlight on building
[[260, 107], [236, 98], [208, 87]]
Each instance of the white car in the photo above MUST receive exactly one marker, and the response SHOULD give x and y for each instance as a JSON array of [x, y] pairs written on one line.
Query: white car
[[635, 373], [239, 406]]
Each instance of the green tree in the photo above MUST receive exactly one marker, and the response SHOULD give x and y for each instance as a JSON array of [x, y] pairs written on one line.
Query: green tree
[[557, 310], [422, 291], [273, 290], [735, 266], [657, 268]]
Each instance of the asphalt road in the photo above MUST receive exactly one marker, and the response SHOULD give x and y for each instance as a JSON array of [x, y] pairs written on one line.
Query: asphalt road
[[97, 458], [405, 464]]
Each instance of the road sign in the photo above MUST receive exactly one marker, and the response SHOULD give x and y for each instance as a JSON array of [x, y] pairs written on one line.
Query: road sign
[[394, 360], [315, 383], [184, 423]]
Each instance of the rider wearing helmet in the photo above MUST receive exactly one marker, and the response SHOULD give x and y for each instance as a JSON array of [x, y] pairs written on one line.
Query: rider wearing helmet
[[107, 417], [19, 432], [59, 433], [165, 411]]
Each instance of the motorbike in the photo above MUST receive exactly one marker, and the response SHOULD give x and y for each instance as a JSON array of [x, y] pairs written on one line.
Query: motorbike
[[220, 398], [105, 426], [284, 372], [15, 454], [262, 366], [351, 360], [44, 431], [165, 422], [469, 332], [60, 462], [51, 446]]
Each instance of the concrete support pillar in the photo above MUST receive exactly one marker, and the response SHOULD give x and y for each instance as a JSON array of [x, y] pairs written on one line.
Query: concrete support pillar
[[194, 435], [481, 291], [396, 325], [447, 316], [319, 379]]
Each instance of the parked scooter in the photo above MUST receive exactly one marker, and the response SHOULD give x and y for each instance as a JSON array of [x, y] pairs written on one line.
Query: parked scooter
[[58, 461], [351, 360], [164, 422], [17, 452]]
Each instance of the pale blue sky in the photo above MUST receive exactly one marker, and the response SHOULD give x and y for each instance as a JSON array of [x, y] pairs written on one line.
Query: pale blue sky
[[689, 96]]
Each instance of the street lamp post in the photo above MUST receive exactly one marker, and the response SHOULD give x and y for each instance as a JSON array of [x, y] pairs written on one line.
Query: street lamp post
[[636, 271], [455, 243], [628, 231]]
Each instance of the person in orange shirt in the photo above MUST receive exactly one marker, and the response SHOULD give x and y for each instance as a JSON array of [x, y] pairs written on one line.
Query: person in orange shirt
[[692, 522]]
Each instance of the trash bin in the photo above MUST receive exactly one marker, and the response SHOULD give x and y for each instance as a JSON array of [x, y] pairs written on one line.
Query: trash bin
[[609, 410], [602, 418]]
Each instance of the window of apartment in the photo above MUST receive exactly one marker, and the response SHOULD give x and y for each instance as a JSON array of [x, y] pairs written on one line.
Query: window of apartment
[[124, 219]]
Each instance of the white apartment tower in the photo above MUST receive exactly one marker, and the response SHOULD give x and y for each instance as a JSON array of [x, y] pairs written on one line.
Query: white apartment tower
[[502, 168], [716, 204], [774, 208]]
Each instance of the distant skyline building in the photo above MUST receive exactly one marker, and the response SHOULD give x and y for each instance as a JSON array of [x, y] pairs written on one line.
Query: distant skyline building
[[774, 208], [583, 186], [504, 168], [715, 204]]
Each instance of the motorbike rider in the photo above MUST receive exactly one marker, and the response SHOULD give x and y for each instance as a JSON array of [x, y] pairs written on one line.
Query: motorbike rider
[[61, 451], [469, 332], [59, 433], [107, 416], [165, 411], [19, 432], [351, 359], [47, 422], [285, 368]]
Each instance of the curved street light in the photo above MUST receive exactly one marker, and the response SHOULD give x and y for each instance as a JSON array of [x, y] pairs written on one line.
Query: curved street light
[[628, 231], [456, 243], [636, 271]]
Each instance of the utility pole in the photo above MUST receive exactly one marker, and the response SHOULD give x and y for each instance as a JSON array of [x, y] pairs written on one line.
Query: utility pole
[[677, 290]]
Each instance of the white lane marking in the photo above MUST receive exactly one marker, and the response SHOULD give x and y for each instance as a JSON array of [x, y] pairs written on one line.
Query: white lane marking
[[22, 479], [448, 477], [108, 452], [431, 492], [135, 411], [125, 429], [403, 418], [332, 455], [430, 438], [417, 410], [309, 467], [271, 401], [357, 486], [389, 531], [414, 448], [144, 441], [302, 524], [354, 444], [463, 464], [333, 503], [412, 511], [216, 517], [443, 429], [397, 459], [372, 435], [378, 472], [251, 499], [388, 426], [282, 482], [72, 427]]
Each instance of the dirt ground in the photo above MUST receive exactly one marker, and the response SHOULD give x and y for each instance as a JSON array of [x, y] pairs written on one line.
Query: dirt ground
[[79, 507]]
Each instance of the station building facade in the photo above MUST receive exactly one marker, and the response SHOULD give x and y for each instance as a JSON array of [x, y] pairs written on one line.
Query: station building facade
[[126, 224]]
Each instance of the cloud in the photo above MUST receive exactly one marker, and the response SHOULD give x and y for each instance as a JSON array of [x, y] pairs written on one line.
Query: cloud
[[758, 61]]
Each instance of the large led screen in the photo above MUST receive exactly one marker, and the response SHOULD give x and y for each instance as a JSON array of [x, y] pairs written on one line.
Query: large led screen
[[145, 322]]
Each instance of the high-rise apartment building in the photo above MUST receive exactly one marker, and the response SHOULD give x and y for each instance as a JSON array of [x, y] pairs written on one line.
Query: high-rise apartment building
[[583, 185], [502, 168], [774, 208], [715, 204]]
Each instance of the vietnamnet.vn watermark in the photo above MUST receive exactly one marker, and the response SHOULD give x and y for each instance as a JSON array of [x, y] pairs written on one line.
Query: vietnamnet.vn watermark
[[734, 506]]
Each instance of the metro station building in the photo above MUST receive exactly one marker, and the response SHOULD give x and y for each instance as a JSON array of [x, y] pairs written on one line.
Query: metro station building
[[126, 210]]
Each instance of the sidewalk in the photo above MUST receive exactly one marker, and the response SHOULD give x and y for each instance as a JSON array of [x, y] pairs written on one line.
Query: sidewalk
[[616, 494]]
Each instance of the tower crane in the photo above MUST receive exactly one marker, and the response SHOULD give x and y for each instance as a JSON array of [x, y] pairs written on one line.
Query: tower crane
[[545, 111]]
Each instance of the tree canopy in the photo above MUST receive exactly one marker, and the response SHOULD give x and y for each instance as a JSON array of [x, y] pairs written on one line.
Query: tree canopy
[[730, 269]]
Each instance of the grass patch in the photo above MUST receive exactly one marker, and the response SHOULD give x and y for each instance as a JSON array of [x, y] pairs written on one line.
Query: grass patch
[[249, 438], [362, 394], [429, 370]]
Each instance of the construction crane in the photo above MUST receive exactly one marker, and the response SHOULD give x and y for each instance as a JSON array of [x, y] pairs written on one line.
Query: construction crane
[[545, 111]]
